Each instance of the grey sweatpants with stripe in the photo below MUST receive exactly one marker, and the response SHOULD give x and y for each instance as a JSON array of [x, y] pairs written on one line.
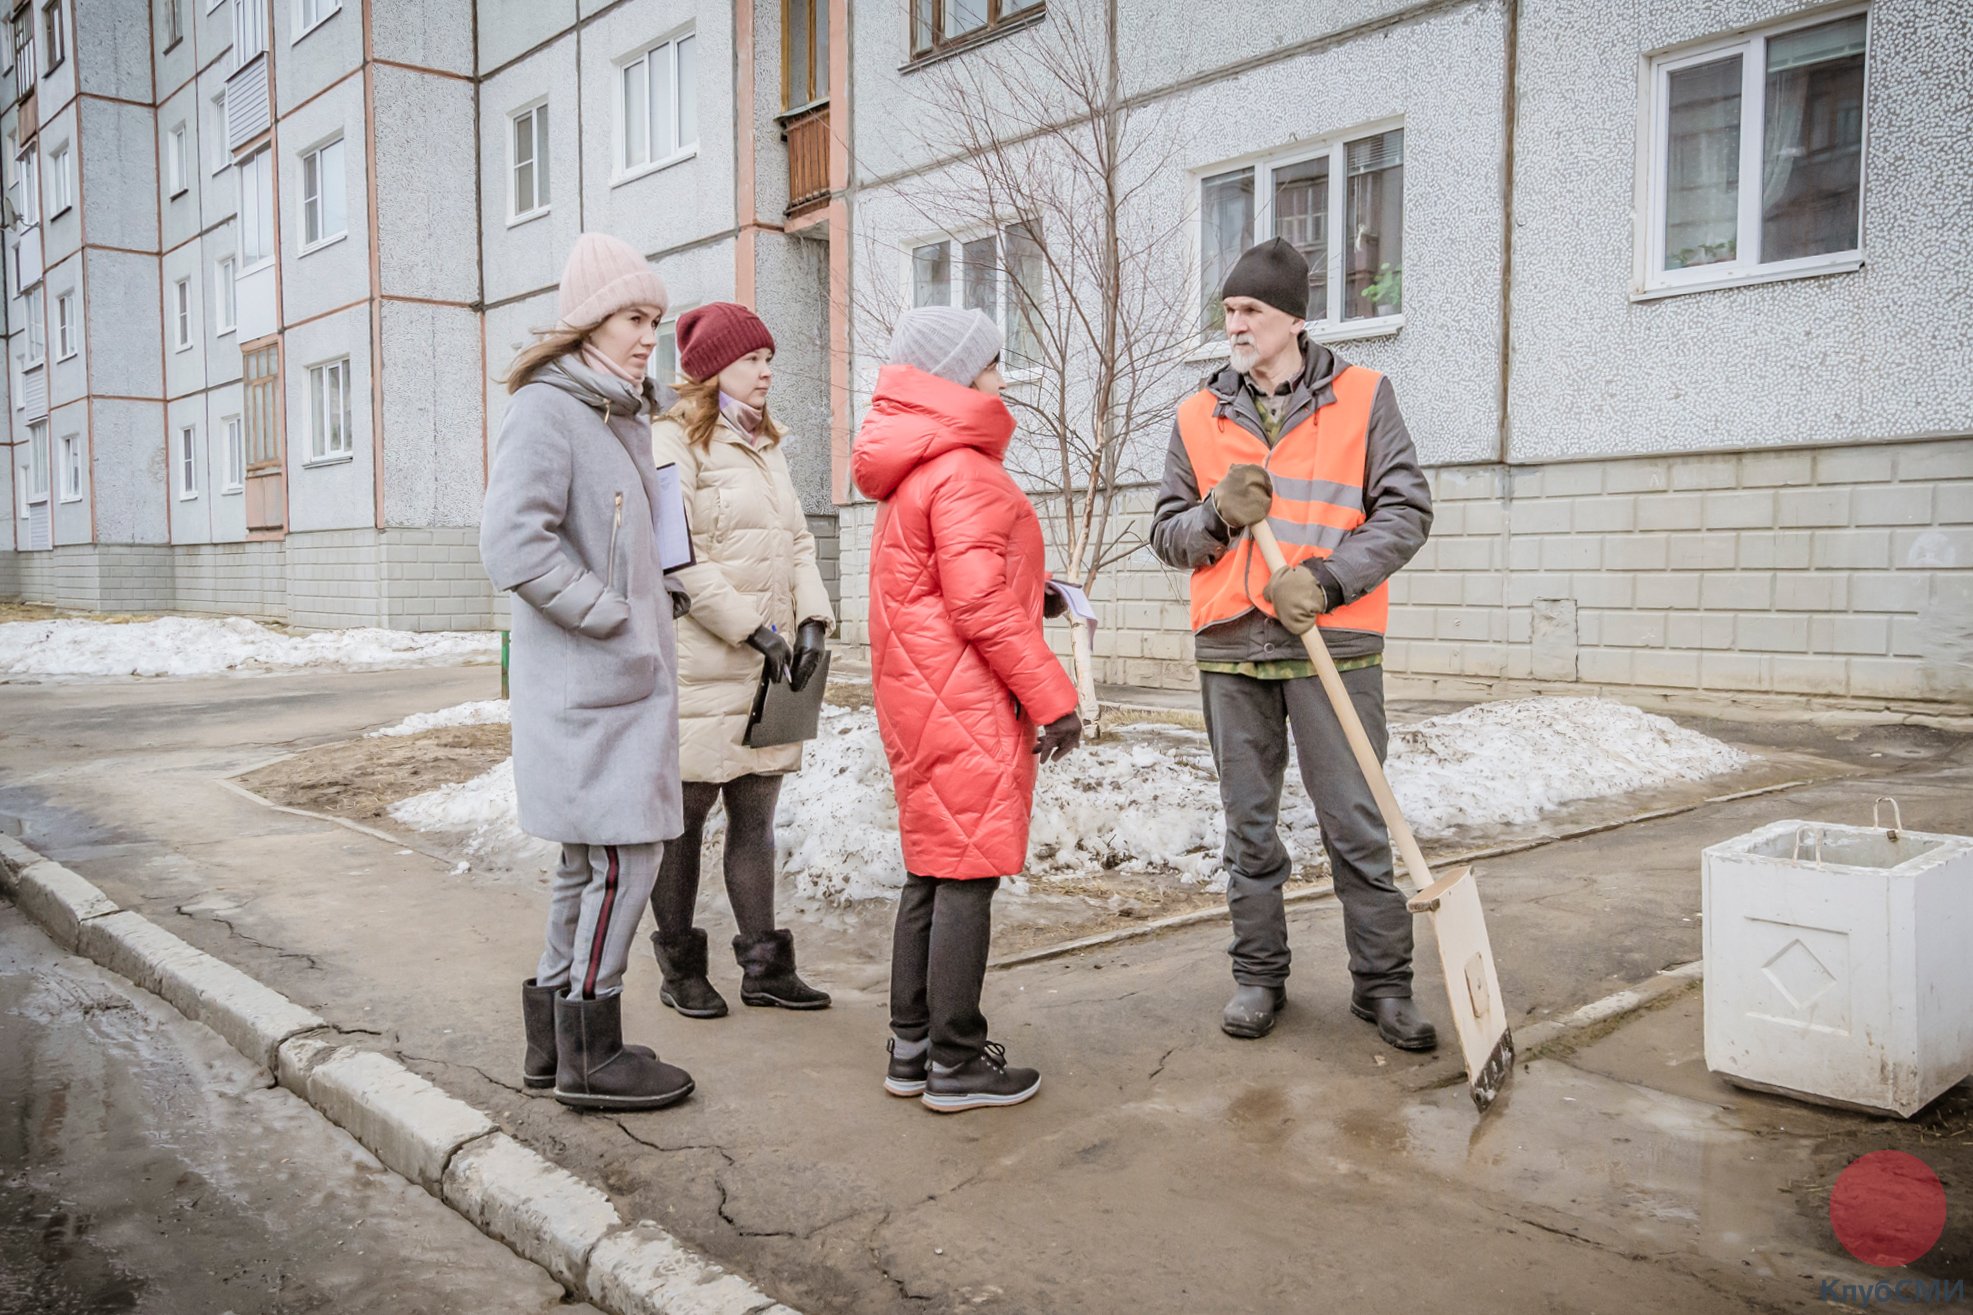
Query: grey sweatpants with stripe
[[598, 896], [1248, 720]]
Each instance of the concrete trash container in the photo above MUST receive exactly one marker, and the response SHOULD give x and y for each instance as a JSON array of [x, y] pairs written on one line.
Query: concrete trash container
[[1837, 962]]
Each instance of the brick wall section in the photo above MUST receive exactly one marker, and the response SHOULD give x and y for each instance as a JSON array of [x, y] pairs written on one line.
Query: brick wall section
[[1838, 574], [828, 555], [232, 579], [433, 580], [405, 579]]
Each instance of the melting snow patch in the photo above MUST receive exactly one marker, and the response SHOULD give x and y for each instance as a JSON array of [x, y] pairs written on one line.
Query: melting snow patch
[[485, 712], [206, 646], [1147, 800]]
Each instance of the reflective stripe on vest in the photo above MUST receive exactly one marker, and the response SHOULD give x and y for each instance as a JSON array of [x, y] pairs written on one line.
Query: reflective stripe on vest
[[1317, 469]]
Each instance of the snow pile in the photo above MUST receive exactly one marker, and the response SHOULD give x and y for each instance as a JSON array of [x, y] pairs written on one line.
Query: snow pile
[[1505, 764], [205, 646], [1146, 801], [486, 712], [485, 811]]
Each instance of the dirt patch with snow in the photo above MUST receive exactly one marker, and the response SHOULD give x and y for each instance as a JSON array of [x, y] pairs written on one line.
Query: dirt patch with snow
[[361, 779]]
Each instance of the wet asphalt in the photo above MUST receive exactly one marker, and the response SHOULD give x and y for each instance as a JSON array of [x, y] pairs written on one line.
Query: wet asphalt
[[146, 1167]]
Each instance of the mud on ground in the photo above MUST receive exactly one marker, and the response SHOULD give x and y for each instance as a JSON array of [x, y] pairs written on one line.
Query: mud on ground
[[360, 779]]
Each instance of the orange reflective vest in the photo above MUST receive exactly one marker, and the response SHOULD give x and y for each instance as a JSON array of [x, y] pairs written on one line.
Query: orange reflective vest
[[1317, 469]]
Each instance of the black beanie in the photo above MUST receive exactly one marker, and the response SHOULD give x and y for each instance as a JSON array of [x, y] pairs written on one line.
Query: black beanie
[[1273, 272]]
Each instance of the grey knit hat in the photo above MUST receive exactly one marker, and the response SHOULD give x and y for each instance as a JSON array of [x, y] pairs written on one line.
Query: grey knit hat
[[952, 344]]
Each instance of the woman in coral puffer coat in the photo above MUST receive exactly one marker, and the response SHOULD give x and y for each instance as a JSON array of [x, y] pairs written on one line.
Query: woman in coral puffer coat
[[962, 676]]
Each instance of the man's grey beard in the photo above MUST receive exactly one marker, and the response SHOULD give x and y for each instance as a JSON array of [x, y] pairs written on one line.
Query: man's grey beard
[[1245, 356]]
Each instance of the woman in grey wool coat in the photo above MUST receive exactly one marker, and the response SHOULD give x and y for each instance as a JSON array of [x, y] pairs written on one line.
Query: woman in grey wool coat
[[568, 527]]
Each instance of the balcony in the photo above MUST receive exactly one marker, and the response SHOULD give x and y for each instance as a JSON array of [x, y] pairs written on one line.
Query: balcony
[[248, 107], [807, 136]]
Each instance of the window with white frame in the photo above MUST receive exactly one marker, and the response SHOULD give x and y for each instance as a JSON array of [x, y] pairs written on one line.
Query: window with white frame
[[657, 110], [37, 327], [174, 22], [324, 215], [529, 195], [188, 462], [66, 329], [54, 35], [663, 365], [61, 180], [249, 30], [257, 209], [37, 461], [1756, 155], [1340, 203], [71, 467], [310, 14], [998, 273], [181, 316], [178, 161], [29, 178], [23, 29], [329, 434], [222, 157], [236, 455], [226, 296]]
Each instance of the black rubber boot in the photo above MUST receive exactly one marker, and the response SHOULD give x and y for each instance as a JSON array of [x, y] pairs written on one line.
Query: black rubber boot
[[596, 1072], [767, 964], [682, 959], [982, 1082], [1250, 1014], [1398, 1021]]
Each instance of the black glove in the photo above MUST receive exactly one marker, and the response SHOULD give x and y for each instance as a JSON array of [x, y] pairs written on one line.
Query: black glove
[[775, 649], [1058, 737], [681, 603], [808, 651], [1052, 603]]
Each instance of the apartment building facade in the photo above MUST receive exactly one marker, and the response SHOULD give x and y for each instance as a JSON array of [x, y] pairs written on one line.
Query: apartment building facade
[[267, 259], [1675, 297]]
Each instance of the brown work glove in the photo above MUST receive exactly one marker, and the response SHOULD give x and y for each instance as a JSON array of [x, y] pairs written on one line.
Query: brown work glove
[[1243, 497], [1298, 598]]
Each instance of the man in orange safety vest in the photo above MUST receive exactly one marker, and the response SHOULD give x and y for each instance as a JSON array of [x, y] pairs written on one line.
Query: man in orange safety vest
[[1290, 434]]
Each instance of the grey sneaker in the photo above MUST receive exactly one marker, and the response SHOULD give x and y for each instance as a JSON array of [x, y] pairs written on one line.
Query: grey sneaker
[[984, 1080]]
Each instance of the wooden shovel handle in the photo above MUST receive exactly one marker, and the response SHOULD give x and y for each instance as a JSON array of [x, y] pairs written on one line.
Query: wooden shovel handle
[[1339, 698]]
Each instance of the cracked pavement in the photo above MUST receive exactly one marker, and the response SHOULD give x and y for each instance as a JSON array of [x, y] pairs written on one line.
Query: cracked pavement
[[1164, 1167]]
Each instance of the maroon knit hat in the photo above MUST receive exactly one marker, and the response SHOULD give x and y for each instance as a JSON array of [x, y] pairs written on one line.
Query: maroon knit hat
[[712, 337]]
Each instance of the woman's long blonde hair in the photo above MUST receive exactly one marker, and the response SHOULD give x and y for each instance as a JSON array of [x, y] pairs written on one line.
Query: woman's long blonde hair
[[697, 409], [547, 346]]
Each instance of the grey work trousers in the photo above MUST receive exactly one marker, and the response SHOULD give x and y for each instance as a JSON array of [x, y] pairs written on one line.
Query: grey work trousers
[[594, 905], [1247, 721]]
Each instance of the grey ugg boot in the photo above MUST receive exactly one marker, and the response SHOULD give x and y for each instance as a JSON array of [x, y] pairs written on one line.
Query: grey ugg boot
[[767, 963], [682, 960], [594, 1071], [538, 1017]]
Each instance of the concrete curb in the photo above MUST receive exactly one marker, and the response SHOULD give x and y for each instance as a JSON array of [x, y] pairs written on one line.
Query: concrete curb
[[538, 1210]]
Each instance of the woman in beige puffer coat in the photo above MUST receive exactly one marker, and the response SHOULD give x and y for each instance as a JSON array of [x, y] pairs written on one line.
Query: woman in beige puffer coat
[[754, 588]]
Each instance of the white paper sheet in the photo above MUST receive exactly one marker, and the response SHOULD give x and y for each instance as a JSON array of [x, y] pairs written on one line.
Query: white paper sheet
[[668, 521], [1078, 602]]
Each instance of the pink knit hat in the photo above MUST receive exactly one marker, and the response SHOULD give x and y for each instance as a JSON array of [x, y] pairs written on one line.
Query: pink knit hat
[[604, 275]]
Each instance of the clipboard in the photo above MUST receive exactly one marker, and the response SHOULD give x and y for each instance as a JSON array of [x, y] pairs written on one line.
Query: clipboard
[[784, 715]]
